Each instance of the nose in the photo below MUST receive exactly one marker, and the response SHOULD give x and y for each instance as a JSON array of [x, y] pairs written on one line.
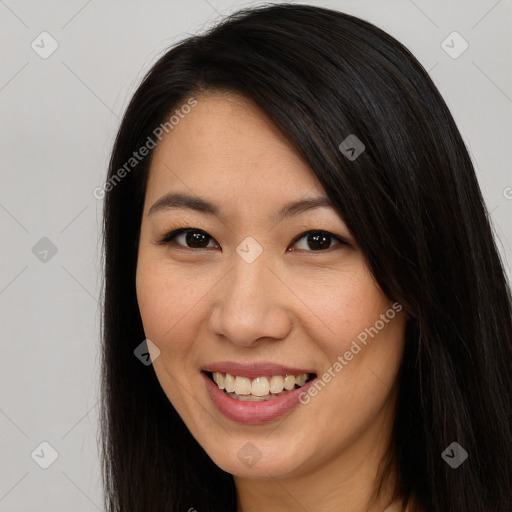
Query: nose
[[251, 305]]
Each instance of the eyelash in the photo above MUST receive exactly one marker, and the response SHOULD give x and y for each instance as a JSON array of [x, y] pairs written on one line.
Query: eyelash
[[168, 238]]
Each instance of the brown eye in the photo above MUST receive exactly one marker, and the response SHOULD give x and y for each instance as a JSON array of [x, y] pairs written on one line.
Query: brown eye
[[188, 238], [193, 238], [316, 241]]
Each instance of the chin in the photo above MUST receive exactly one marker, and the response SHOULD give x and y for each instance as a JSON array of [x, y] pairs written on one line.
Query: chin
[[252, 459]]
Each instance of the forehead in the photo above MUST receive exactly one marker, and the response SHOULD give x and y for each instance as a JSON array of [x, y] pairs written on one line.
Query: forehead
[[226, 143]]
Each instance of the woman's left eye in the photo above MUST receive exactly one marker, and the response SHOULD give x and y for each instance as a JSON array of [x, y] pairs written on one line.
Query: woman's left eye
[[319, 239], [316, 239]]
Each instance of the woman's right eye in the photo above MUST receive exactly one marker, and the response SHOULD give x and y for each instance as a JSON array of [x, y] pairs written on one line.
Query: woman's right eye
[[188, 238]]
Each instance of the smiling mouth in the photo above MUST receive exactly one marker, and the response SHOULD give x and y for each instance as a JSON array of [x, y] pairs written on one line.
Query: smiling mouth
[[259, 389]]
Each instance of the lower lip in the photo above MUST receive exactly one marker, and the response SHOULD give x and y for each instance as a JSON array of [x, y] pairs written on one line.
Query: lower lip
[[253, 412]]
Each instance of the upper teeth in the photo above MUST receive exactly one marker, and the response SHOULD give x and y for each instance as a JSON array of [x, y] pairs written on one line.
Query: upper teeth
[[261, 386]]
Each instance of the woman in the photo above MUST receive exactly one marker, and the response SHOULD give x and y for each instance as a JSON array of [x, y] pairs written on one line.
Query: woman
[[295, 238]]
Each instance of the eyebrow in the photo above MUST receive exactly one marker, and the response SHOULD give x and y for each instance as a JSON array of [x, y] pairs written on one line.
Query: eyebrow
[[183, 201]]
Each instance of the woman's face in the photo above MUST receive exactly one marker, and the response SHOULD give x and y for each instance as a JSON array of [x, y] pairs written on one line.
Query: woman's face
[[250, 293]]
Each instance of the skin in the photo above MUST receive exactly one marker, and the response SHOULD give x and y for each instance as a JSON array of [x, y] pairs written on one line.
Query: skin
[[295, 304]]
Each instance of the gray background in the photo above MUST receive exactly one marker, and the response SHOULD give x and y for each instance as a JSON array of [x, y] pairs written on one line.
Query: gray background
[[58, 120]]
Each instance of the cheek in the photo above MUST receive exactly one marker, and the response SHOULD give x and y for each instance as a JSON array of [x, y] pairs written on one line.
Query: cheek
[[166, 311], [162, 301], [151, 300], [347, 307], [363, 337], [171, 304], [363, 361]]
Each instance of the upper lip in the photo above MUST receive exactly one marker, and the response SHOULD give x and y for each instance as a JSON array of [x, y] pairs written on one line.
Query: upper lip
[[254, 370]]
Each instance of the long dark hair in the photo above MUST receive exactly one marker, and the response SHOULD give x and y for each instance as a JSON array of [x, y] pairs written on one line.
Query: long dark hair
[[410, 199]]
